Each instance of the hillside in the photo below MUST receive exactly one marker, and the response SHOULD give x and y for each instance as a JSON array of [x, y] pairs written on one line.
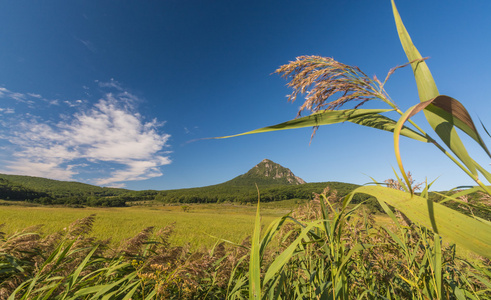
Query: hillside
[[58, 187], [49, 191], [275, 183], [266, 173], [249, 194]]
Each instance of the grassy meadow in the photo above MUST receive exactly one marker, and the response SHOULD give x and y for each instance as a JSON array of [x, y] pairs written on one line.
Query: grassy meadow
[[198, 226], [343, 247]]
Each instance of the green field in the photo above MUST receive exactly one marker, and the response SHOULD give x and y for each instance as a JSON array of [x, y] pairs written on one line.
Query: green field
[[196, 227]]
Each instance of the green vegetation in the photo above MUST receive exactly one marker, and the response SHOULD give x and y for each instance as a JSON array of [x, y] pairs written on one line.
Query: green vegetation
[[329, 250], [55, 192], [59, 188], [337, 251], [248, 194], [198, 226], [276, 183]]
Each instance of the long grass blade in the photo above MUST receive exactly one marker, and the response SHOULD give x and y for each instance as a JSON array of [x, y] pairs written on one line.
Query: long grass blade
[[283, 258], [255, 260], [366, 117], [459, 228], [76, 274]]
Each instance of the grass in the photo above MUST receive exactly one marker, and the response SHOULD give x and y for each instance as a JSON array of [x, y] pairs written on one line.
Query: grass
[[196, 227], [342, 251]]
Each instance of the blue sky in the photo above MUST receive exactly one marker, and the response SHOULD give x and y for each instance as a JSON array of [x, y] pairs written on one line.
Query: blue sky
[[111, 92]]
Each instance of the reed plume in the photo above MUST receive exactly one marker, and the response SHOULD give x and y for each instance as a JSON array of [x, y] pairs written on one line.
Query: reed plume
[[323, 78]]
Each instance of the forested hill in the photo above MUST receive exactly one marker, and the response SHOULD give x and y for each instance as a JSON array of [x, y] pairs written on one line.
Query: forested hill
[[266, 173], [249, 194], [48, 191], [275, 183], [58, 187]]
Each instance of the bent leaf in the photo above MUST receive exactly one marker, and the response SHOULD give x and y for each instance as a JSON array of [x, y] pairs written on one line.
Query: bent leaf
[[461, 229], [454, 112], [366, 117], [427, 90]]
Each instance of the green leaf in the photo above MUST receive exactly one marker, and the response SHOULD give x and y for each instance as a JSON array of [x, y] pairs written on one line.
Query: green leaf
[[461, 229], [365, 117], [76, 274], [255, 260], [427, 90], [454, 112], [285, 256]]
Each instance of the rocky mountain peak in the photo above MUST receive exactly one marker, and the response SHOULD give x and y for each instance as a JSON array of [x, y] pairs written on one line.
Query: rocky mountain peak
[[270, 169]]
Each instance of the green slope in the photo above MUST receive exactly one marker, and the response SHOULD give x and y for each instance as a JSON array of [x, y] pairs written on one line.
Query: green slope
[[266, 173], [248, 194], [59, 188], [54, 192], [275, 183]]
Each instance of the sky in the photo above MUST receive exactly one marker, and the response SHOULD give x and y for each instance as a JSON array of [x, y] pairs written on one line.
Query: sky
[[122, 93]]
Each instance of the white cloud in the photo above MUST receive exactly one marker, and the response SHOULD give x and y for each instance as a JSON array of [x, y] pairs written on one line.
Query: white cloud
[[35, 95], [109, 132], [72, 103], [111, 84], [5, 93], [52, 170], [90, 46], [21, 97], [7, 110]]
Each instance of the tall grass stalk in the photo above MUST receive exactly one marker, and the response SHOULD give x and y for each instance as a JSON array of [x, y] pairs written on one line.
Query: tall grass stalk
[[330, 85], [331, 249]]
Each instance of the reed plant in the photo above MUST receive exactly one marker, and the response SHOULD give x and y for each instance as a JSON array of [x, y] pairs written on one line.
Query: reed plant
[[336, 257], [329, 86], [73, 265], [331, 249], [327, 248]]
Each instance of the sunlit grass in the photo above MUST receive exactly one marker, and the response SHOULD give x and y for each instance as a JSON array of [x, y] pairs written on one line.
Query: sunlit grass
[[196, 227]]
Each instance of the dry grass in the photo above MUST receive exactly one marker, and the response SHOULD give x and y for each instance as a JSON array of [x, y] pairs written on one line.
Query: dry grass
[[197, 227], [321, 78], [148, 264]]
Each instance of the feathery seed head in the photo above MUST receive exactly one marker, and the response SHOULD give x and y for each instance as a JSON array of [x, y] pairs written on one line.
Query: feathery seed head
[[321, 78]]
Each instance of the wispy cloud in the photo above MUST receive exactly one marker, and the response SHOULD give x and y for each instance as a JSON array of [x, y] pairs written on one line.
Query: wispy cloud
[[5, 93], [7, 110], [35, 95], [110, 84], [88, 44], [73, 103], [25, 98], [110, 131]]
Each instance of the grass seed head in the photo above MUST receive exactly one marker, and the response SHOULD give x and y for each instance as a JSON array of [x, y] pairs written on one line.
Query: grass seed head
[[323, 78]]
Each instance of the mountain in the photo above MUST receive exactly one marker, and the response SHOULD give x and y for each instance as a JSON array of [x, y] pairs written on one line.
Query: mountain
[[266, 172], [274, 181], [58, 187], [48, 191]]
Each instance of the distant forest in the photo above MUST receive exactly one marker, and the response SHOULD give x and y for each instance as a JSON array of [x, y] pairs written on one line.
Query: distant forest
[[246, 193], [75, 194], [52, 192]]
